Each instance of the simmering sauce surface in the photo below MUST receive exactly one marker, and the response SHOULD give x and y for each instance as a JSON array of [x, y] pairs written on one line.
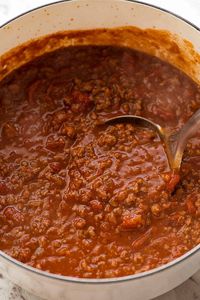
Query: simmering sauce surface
[[94, 201]]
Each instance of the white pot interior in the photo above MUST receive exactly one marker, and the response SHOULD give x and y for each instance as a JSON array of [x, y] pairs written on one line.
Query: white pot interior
[[86, 14]]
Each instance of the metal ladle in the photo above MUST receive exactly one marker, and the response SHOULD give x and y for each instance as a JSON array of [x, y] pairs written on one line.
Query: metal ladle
[[175, 143]]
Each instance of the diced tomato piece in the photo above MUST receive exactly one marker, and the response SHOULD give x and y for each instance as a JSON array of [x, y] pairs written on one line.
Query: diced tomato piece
[[81, 99], [132, 221], [173, 181], [55, 166]]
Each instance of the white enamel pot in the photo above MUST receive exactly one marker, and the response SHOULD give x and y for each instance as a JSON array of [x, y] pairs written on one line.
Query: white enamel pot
[[89, 14]]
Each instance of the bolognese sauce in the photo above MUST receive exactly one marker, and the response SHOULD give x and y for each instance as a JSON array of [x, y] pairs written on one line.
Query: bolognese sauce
[[92, 201]]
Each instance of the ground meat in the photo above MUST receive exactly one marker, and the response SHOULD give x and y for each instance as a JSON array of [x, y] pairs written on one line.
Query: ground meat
[[83, 199]]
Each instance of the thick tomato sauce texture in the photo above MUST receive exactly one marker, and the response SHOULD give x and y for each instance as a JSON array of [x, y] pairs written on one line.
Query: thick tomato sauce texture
[[86, 200]]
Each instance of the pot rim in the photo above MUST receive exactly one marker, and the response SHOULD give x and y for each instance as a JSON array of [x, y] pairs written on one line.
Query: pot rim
[[92, 281]]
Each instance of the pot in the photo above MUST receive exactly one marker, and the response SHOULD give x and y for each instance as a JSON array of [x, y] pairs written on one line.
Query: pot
[[87, 14]]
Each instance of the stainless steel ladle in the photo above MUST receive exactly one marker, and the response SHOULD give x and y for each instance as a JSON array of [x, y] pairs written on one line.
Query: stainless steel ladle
[[175, 143]]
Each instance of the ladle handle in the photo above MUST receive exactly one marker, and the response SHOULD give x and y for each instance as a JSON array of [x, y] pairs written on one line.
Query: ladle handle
[[188, 130]]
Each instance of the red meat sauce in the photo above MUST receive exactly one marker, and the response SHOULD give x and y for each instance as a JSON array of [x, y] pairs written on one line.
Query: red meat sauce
[[86, 200]]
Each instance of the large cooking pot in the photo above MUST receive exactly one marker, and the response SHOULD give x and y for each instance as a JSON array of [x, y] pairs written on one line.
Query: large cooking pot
[[89, 14]]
